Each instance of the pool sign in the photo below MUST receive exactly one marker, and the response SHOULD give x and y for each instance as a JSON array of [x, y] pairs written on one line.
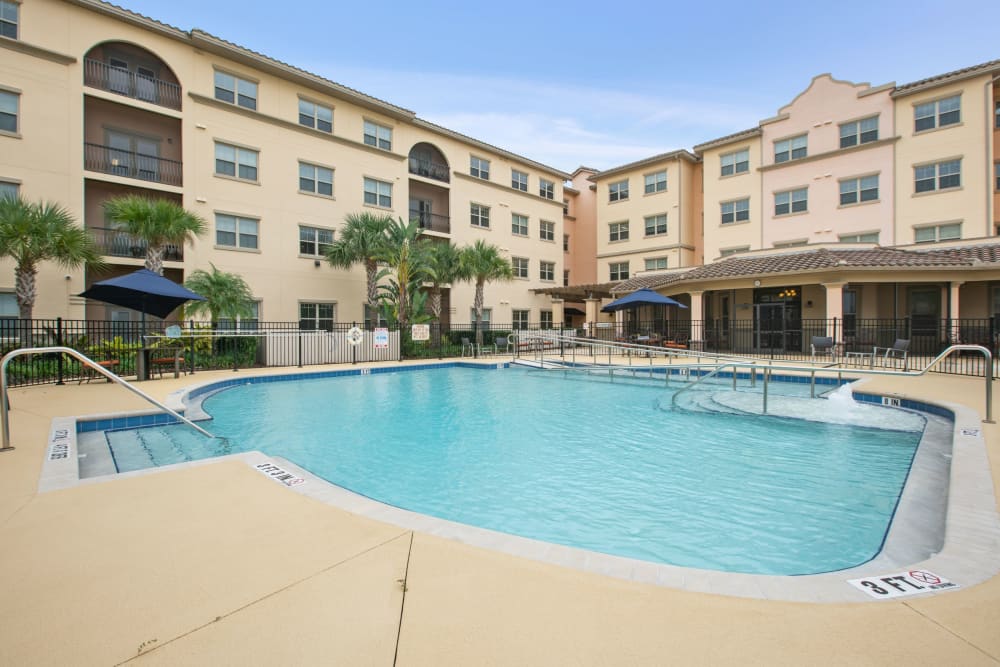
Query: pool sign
[[902, 584], [355, 336], [381, 339], [420, 332], [279, 474]]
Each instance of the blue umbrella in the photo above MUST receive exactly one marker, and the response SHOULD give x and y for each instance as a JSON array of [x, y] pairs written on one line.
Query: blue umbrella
[[641, 297], [144, 291]]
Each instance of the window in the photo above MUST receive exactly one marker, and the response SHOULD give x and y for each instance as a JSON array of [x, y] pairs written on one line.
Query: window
[[996, 115], [243, 323], [618, 191], [792, 201], [487, 315], [314, 241], [656, 182], [378, 193], [520, 318], [374, 317], [791, 244], [9, 310], [518, 180], [547, 271], [996, 177], [654, 263], [736, 163], [566, 205], [547, 230], [234, 90], [869, 237], [790, 149], [545, 319], [377, 135], [735, 211], [8, 19], [479, 215], [566, 278], [618, 231], [520, 266], [315, 115], [317, 316], [315, 179], [945, 232], [619, 270], [546, 189], [940, 176], [8, 189], [862, 131], [235, 232], [566, 236], [479, 168], [656, 225], [519, 224], [939, 113], [726, 252], [855, 190], [235, 162], [8, 111]]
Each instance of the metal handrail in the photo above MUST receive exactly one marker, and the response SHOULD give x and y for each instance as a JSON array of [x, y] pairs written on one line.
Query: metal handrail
[[4, 408]]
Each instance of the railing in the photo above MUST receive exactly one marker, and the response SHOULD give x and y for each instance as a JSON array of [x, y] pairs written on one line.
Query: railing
[[130, 164], [432, 221], [97, 74], [429, 169], [91, 364], [118, 243]]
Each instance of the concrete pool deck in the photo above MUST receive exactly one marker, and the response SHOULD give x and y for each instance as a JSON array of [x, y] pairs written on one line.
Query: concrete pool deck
[[217, 564]]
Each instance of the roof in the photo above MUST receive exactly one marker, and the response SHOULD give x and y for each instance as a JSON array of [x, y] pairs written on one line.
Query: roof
[[672, 155], [947, 77], [580, 292], [728, 139], [804, 261]]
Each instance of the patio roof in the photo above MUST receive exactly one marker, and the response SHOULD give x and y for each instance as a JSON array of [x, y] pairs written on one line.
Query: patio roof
[[581, 292]]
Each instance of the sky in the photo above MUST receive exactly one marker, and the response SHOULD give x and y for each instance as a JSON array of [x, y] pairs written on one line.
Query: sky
[[603, 84]]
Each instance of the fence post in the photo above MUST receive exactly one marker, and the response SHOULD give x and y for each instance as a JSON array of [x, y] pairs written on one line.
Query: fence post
[[440, 337], [475, 337], [354, 348], [59, 342], [191, 346], [299, 337]]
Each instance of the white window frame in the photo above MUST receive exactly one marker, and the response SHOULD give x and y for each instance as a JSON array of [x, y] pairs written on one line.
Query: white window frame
[[479, 215], [726, 252], [319, 246], [545, 319], [618, 271], [10, 99], [479, 167], [618, 191], [9, 188], [859, 132], [321, 178], [657, 228], [241, 160], [737, 210], [547, 230], [313, 115], [9, 16], [241, 90], [785, 149], [519, 180], [520, 266], [520, 318], [242, 226], [791, 199], [932, 116], [736, 162], [316, 317], [376, 190], [859, 190], [377, 135], [931, 174], [933, 233], [654, 263], [655, 182], [546, 271], [486, 316], [618, 231], [863, 237], [546, 189], [519, 224]]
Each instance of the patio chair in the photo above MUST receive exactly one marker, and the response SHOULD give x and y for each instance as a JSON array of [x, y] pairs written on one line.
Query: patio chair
[[823, 345], [898, 351], [679, 341], [468, 346], [502, 344]]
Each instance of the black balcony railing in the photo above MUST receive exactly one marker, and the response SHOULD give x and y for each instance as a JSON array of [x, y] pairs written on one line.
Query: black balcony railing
[[432, 221], [130, 84], [429, 169], [118, 243], [130, 164]]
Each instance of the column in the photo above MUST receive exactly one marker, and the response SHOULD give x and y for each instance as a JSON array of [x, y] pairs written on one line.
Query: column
[[592, 307], [697, 320], [955, 334], [835, 311], [558, 313]]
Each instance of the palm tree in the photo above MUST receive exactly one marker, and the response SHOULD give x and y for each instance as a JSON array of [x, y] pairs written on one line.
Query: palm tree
[[158, 222], [31, 233], [402, 252], [483, 263], [362, 241], [227, 295], [443, 267]]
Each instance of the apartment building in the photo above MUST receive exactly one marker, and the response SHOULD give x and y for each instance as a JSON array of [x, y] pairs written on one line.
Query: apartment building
[[97, 101]]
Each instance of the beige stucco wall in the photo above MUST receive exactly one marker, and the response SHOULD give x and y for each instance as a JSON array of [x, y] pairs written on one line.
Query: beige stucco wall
[[719, 189], [582, 258], [818, 113], [968, 140]]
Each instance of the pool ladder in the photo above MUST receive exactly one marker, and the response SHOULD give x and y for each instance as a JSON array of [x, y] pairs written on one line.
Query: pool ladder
[[87, 361]]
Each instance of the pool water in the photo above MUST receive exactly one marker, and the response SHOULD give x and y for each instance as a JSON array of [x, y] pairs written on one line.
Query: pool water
[[608, 467]]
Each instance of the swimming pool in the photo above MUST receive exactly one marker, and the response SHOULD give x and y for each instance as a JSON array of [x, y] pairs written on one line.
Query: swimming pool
[[579, 463]]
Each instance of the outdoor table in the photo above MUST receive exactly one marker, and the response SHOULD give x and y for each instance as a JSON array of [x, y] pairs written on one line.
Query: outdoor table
[[861, 357]]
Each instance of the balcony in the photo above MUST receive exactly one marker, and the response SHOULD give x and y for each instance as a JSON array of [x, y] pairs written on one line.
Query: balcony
[[431, 221], [120, 162], [118, 243], [429, 169], [97, 74]]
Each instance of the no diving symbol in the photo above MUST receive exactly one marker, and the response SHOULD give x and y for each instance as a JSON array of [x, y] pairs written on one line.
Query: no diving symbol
[[925, 577]]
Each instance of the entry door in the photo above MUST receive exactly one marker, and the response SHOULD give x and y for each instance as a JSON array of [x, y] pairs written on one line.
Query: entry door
[[147, 153], [421, 209], [145, 84], [769, 326], [120, 153], [119, 76]]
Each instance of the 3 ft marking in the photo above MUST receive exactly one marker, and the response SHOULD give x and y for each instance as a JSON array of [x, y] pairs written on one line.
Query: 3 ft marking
[[901, 584], [366, 371], [890, 401]]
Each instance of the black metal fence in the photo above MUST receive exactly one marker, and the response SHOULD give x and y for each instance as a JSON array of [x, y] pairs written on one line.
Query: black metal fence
[[129, 349]]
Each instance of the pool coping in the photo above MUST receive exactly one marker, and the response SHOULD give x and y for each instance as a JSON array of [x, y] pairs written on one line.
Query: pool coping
[[967, 556]]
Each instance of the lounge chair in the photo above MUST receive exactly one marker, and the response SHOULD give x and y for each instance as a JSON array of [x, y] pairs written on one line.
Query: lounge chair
[[898, 351], [677, 342], [823, 345]]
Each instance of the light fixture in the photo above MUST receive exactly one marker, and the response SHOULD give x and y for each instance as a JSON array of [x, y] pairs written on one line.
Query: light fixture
[[316, 263], [788, 293]]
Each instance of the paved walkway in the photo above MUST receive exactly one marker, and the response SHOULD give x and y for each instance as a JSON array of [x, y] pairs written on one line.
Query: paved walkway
[[215, 564]]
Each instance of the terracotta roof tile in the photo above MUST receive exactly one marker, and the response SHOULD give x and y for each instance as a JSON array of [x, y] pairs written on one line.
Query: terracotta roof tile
[[948, 76]]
